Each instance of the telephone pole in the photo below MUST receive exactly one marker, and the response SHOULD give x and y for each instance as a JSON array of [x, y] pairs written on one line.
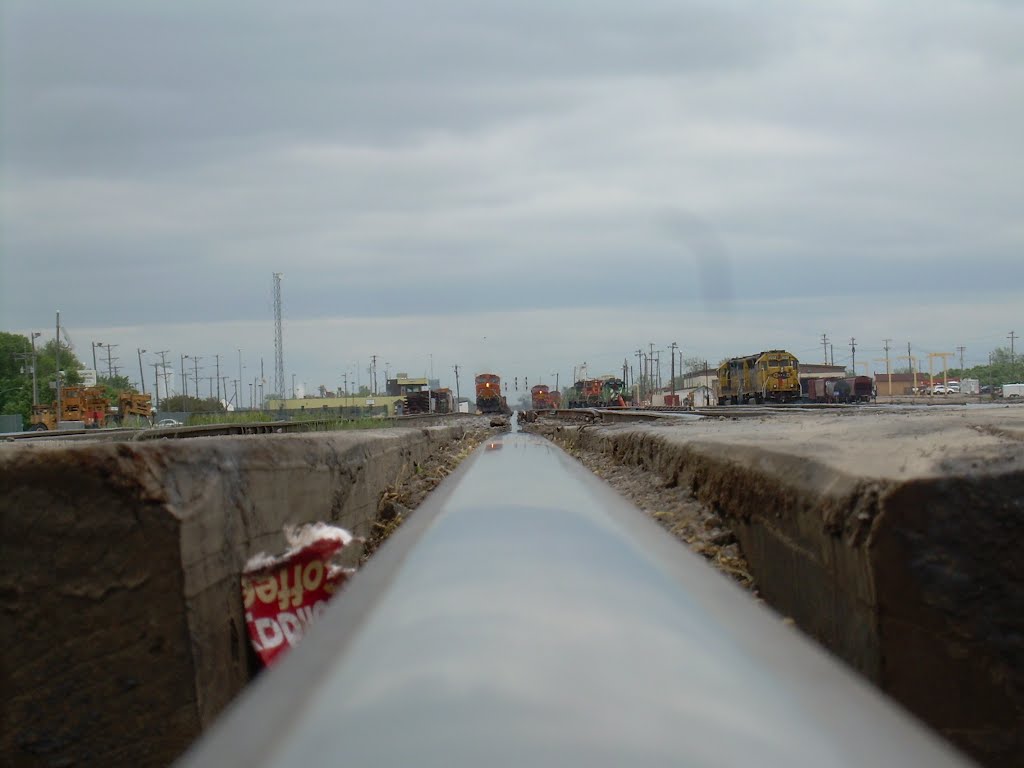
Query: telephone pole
[[1011, 337], [960, 350], [853, 354], [639, 366], [888, 375], [217, 358], [824, 346], [457, 395], [156, 379], [673, 349]]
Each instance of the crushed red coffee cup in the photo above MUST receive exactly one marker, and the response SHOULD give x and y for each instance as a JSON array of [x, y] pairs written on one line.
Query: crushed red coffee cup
[[284, 595]]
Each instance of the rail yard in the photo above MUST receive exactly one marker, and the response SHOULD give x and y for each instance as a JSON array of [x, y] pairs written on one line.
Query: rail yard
[[887, 533]]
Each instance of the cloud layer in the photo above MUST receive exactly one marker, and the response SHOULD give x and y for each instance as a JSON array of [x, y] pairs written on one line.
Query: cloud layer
[[711, 173]]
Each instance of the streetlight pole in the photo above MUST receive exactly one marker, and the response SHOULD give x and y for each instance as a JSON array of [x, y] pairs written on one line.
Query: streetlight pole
[[142, 378]]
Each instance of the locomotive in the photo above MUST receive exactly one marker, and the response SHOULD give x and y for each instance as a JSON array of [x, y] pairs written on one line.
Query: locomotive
[[773, 376], [540, 397], [597, 393], [488, 393]]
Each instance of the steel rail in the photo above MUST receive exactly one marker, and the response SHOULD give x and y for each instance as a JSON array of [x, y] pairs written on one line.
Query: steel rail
[[211, 430], [527, 615]]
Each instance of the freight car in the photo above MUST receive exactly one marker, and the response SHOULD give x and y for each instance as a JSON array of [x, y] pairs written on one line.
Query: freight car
[[488, 393], [773, 376], [821, 390], [853, 389]]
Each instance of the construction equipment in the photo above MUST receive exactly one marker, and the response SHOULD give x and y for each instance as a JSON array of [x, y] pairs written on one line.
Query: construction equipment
[[90, 406]]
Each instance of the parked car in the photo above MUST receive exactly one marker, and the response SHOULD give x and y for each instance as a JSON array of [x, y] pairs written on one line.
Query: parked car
[[169, 423], [938, 389]]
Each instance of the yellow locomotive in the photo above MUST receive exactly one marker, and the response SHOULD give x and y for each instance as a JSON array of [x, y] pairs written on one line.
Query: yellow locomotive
[[772, 376]]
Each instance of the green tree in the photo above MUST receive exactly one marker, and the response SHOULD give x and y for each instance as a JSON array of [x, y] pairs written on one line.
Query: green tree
[[15, 374], [113, 386], [16, 371], [1001, 369], [189, 404]]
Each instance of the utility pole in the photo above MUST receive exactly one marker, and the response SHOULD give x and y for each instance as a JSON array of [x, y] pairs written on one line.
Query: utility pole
[[373, 370], [640, 384], [110, 360], [156, 378], [824, 345], [1011, 337], [960, 350], [184, 380], [57, 367], [142, 378], [217, 358], [457, 395], [163, 371], [35, 382], [888, 375], [853, 354], [195, 361], [650, 367], [910, 359]]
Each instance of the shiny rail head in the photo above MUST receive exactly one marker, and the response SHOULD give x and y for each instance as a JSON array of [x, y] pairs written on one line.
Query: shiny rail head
[[528, 615]]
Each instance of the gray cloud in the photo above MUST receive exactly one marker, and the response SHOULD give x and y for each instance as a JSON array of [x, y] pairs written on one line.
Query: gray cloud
[[456, 158]]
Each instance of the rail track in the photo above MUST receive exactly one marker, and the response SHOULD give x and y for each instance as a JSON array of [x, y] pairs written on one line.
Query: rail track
[[550, 623], [211, 430]]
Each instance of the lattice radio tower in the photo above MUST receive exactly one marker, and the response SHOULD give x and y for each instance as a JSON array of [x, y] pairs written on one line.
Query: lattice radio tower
[[278, 339]]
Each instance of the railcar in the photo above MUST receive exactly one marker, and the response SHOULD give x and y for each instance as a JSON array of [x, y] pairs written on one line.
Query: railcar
[[769, 376], [853, 389]]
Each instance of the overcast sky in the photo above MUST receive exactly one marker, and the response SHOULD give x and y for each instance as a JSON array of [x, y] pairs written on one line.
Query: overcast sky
[[511, 186]]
